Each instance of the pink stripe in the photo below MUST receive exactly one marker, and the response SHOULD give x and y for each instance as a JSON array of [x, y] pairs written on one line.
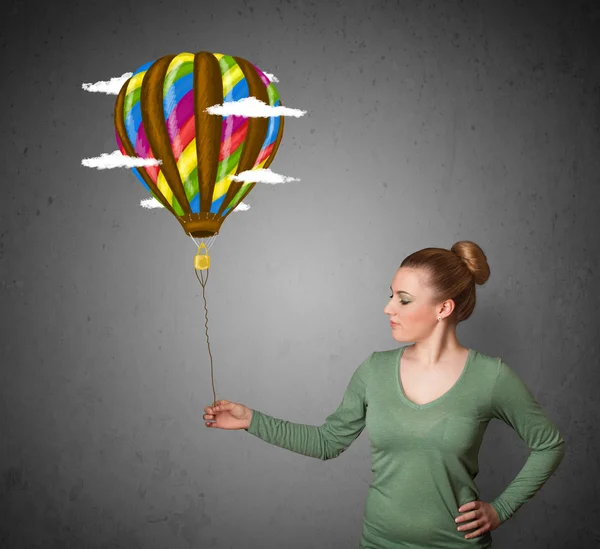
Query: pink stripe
[[184, 137], [234, 141], [180, 114], [264, 153], [231, 124], [142, 147], [263, 76], [152, 172]]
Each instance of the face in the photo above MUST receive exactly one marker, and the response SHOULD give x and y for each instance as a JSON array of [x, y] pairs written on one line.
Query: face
[[412, 308]]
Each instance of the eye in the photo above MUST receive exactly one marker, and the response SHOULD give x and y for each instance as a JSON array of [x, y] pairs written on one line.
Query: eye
[[402, 301]]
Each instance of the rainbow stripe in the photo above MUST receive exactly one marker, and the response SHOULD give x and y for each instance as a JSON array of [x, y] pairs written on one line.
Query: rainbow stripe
[[269, 142], [132, 115], [233, 131], [178, 106]]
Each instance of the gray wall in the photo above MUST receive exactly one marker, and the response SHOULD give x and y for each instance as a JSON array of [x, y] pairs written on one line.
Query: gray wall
[[428, 123]]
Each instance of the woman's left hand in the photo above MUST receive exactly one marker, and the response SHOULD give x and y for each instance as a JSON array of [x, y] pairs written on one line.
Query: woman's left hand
[[477, 514]]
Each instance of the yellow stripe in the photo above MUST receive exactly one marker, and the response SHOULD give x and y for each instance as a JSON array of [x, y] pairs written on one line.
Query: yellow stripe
[[231, 78], [179, 60], [187, 160], [221, 187], [135, 81], [218, 56], [164, 188]]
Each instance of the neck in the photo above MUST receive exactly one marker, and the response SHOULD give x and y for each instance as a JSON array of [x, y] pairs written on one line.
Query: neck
[[441, 346]]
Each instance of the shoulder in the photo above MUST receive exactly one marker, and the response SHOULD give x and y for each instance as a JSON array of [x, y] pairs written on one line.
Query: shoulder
[[384, 357], [485, 368], [377, 360], [489, 362], [501, 378]]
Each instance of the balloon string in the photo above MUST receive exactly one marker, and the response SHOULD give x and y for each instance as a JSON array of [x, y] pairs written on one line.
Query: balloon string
[[210, 240], [203, 283]]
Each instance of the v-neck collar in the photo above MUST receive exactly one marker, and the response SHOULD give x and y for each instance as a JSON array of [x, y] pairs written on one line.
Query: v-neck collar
[[440, 398]]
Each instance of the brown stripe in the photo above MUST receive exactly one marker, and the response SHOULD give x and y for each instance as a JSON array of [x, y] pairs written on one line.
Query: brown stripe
[[129, 149], [257, 130], [208, 91], [151, 103], [277, 141]]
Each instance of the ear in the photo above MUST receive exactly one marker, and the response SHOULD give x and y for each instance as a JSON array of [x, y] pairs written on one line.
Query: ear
[[447, 307]]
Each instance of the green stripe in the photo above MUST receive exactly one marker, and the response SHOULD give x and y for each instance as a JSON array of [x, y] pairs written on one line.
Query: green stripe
[[273, 93], [239, 195], [177, 72], [228, 165], [191, 184], [131, 99], [178, 210], [226, 62]]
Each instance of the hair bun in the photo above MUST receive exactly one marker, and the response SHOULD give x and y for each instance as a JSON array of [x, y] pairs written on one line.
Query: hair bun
[[474, 258]]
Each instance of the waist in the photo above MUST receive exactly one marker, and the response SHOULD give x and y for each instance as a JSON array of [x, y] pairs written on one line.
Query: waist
[[416, 522]]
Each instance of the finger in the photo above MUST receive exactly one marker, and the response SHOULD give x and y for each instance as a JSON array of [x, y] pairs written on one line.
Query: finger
[[469, 505], [469, 525], [482, 530], [466, 516]]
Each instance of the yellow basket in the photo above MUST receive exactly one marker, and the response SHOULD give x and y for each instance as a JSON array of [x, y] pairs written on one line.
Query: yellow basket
[[202, 262]]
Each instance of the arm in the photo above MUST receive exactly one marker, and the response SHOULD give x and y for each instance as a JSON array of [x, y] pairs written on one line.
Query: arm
[[513, 403], [326, 441]]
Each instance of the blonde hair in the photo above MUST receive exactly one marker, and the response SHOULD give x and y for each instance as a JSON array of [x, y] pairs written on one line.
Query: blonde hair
[[452, 274]]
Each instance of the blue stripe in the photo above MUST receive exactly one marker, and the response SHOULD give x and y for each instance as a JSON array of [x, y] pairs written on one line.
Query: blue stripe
[[176, 92], [214, 208], [239, 91], [144, 67], [271, 131], [195, 204], [132, 122], [273, 128]]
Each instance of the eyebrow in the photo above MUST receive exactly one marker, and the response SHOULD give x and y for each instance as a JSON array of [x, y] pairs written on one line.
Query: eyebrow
[[401, 292]]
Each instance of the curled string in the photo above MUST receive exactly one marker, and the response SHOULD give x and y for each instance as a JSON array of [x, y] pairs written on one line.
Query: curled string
[[203, 284]]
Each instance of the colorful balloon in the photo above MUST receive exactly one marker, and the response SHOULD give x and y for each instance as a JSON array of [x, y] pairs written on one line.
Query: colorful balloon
[[160, 113]]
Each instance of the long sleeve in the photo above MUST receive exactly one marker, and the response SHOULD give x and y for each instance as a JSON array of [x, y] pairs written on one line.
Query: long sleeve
[[513, 403], [326, 441]]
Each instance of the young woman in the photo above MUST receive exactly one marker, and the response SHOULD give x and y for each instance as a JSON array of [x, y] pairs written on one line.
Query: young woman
[[426, 407]]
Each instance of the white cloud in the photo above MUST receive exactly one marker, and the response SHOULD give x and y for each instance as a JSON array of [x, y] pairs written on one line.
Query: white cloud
[[271, 77], [263, 176], [151, 203], [110, 87], [118, 160], [253, 108]]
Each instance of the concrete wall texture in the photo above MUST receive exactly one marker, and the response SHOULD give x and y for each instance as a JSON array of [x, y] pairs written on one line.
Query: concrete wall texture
[[428, 123]]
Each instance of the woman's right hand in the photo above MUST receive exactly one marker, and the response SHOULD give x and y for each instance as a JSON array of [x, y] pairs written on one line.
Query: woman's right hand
[[228, 415]]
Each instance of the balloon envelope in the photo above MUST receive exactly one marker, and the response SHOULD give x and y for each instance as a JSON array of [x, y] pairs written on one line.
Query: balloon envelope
[[160, 113]]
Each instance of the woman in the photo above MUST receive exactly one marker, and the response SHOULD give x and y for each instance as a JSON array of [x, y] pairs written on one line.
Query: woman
[[426, 407]]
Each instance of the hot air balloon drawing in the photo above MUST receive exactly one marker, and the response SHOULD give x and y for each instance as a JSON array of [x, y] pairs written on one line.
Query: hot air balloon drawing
[[160, 113]]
